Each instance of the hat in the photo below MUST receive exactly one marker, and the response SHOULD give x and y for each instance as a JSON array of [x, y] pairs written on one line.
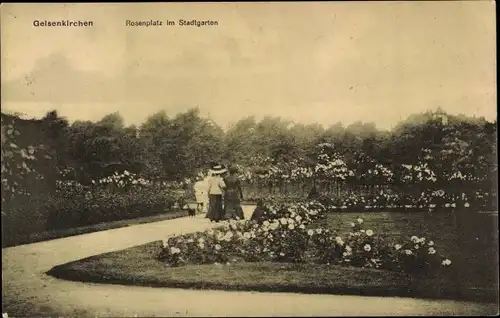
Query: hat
[[218, 169]]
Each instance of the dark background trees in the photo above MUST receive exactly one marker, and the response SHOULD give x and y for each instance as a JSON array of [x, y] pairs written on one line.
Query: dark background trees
[[175, 148]]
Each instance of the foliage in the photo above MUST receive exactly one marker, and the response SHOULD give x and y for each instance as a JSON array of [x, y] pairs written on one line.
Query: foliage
[[429, 161], [432, 149], [80, 207], [26, 162], [285, 233]]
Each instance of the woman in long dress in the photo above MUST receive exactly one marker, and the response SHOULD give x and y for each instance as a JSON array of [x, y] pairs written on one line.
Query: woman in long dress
[[216, 187], [232, 196]]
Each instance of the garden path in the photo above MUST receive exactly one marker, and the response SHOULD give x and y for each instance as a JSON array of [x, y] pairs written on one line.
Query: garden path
[[28, 291]]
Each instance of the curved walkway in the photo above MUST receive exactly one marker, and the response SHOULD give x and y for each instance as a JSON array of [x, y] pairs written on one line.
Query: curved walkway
[[28, 291]]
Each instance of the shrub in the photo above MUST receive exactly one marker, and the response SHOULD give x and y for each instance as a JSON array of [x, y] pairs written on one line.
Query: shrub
[[102, 205], [284, 234]]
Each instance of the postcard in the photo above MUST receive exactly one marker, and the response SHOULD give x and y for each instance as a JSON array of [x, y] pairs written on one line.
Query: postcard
[[232, 159]]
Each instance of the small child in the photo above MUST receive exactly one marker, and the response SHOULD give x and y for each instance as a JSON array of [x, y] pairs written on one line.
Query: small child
[[201, 194]]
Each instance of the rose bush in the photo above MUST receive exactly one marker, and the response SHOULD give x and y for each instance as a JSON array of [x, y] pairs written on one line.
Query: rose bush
[[287, 234]]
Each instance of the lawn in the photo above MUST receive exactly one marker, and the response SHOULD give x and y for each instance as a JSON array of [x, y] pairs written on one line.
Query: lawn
[[473, 275], [469, 239]]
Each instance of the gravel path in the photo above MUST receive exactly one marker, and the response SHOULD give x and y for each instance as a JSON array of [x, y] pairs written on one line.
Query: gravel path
[[28, 292]]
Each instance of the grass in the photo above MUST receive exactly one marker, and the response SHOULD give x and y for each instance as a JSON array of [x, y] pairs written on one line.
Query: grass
[[136, 266], [20, 239], [472, 276], [467, 238]]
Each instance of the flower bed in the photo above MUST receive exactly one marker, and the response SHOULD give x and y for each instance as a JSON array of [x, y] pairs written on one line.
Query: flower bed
[[387, 200], [430, 200], [285, 232]]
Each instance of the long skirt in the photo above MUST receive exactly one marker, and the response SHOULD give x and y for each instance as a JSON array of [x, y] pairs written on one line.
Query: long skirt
[[232, 207], [215, 209]]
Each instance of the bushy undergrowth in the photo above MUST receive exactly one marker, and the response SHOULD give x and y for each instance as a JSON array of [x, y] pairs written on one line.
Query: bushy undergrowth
[[104, 206], [68, 210]]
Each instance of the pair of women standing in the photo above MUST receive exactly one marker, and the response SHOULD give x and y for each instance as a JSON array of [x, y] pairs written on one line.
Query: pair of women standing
[[224, 194]]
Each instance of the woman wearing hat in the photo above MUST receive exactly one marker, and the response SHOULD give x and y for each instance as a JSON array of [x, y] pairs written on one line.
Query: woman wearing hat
[[232, 195], [216, 187]]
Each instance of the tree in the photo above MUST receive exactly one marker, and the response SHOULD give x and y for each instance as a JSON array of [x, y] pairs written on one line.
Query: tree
[[179, 147], [239, 141]]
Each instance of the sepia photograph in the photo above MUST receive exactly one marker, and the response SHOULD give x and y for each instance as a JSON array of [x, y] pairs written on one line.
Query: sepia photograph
[[249, 159]]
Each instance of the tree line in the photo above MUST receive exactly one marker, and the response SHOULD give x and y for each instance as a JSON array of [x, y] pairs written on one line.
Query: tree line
[[173, 148]]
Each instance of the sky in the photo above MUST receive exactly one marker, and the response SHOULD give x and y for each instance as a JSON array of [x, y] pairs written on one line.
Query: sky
[[317, 62]]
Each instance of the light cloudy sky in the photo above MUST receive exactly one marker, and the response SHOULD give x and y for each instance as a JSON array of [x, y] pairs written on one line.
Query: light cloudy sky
[[307, 62]]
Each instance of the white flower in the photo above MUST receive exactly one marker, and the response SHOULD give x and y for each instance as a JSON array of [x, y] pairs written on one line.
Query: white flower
[[291, 226], [283, 221], [453, 205], [339, 241], [447, 205], [367, 247], [432, 250], [165, 243], [466, 204], [310, 232], [247, 235], [298, 218], [414, 239], [417, 246], [352, 224], [319, 231], [446, 262], [220, 236], [360, 220], [174, 250], [408, 252], [282, 254], [397, 247], [201, 245], [217, 247], [302, 226], [369, 232], [266, 223], [430, 243]]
